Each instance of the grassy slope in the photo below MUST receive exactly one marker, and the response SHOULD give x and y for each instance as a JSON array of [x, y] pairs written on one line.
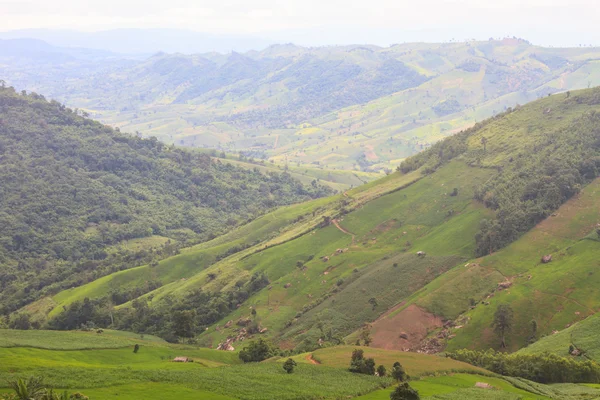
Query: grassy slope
[[583, 335], [375, 240], [270, 229], [558, 293], [555, 294]]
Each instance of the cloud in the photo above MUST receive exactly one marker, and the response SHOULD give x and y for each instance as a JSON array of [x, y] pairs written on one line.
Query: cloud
[[569, 19]]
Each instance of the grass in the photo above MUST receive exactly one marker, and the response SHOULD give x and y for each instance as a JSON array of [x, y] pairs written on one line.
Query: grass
[[583, 335], [75, 361], [75, 340], [119, 373], [460, 386], [415, 364]]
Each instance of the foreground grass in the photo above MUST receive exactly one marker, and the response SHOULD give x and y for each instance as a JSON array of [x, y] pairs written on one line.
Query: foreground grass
[[250, 381]]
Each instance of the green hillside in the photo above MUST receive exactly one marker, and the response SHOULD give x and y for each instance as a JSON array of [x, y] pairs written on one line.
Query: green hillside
[[390, 262], [579, 339], [79, 200], [545, 297], [345, 107], [105, 365]]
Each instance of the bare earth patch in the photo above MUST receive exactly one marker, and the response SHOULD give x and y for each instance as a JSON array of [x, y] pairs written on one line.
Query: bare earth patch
[[404, 330]]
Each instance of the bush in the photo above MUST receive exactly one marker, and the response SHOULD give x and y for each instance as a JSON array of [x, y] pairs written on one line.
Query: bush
[[256, 351], [289, 365], [404, 392]]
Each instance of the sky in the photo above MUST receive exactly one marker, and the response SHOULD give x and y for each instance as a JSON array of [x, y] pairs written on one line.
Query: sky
[[324, 22]]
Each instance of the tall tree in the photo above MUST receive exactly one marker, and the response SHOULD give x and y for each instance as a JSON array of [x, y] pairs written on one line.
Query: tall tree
[[503, 320]]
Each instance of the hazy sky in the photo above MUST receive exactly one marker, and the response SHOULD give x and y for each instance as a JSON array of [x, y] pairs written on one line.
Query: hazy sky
[[565, 22]]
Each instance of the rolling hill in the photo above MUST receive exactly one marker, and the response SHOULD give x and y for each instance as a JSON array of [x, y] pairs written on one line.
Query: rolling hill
[[347, 107], [402, 262], [80, 200]]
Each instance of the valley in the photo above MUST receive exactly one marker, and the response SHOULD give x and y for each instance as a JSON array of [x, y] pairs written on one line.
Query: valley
[[359, 108], [418, 221]]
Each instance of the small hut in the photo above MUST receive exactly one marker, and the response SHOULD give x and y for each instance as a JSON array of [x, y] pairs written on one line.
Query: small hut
[[181, 359]]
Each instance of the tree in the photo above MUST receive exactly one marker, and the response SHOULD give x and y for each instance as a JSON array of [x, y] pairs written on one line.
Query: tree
[[404, 392], [373, 302], [369, 367], [357, 359], [21, 321], [289, 365], [484, 141], [398, 372], [256, 351], [361, 365], [183, 323], [502, 323], [381, 371], [136, 348]]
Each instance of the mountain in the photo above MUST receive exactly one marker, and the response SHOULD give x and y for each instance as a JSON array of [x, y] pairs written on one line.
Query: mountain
[[79, 200], [359, 107], [143, 41], [417, 260]]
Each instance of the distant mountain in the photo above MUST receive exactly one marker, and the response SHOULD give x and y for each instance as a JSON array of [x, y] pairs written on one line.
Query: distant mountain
[[78, 199], [143, 41], [359, 107]]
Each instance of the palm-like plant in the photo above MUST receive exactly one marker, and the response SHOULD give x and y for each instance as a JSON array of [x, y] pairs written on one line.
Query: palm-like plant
[[31, 389]]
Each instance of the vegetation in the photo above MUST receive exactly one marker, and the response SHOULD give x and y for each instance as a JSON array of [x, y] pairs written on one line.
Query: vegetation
[[33, 389], [543, 368], [404, 392], [361, 365], [288, 365], [75, 191], [352, 107], [256, 351], [503, 319]]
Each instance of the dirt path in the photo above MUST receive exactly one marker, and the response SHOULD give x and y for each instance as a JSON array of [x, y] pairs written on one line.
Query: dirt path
[[276, 142], [337, 225], [311, 360]]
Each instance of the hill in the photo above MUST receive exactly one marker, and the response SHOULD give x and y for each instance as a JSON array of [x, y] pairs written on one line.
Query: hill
[[385, 262], [79, 200], [347, 107], [545, 297], [116, 371]]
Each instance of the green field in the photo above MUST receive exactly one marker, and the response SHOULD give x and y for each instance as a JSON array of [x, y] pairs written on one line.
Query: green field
[[102, 373]]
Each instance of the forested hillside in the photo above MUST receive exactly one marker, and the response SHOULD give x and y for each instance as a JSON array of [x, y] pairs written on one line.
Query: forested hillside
[[395, 255], [79, 200], [356, 107]]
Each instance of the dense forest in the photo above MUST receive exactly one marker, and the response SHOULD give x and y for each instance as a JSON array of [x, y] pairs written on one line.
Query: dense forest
[[73, 189]]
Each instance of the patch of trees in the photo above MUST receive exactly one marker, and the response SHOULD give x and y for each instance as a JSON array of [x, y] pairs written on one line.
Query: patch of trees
[[542, 368], [539, 180], [72, 189], [174, 319], [259, 350]]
